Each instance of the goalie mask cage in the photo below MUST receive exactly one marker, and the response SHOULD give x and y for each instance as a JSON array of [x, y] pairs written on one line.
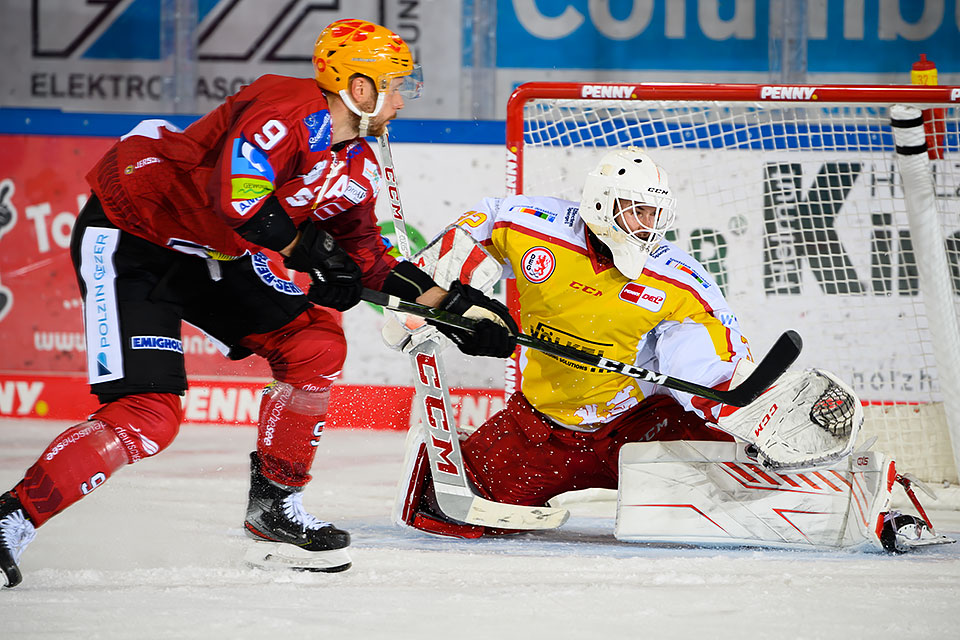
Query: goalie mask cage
[[792, 197]]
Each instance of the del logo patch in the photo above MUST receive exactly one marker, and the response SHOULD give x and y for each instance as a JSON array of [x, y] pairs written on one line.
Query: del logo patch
[[537, 264], [643, 296]]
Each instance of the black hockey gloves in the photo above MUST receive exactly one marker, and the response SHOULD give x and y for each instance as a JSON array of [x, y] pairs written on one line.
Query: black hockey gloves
[[491, 338], [335, 276]]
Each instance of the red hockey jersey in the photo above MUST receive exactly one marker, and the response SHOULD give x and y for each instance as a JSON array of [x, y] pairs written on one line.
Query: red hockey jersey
[[189, 190]]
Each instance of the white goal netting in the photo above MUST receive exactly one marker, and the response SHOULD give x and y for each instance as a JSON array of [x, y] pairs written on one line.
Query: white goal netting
[[797, 210]]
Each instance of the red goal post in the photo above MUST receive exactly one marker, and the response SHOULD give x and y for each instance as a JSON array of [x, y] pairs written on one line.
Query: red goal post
[[793, 197]]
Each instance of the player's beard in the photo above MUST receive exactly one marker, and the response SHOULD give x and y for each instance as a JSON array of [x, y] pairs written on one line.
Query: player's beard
[[377, 124]]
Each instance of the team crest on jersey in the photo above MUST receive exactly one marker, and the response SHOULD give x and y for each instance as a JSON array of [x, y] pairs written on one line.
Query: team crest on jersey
[[543, 214], [268, 273], [538, 264], [643, 296], [318, 129]]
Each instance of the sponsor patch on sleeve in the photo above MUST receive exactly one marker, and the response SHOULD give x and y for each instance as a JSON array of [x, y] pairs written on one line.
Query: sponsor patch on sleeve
[[355, 192], [372, 174], [676, 264], [243, 206], [159, 343], [242, 188], [248, 160], [543, 214]]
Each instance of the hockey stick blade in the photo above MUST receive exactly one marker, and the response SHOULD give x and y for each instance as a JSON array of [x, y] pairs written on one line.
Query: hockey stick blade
[[783, 354]]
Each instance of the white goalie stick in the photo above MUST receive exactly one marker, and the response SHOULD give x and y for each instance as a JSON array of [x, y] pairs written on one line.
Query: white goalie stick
[[783, 354], [455, 496]]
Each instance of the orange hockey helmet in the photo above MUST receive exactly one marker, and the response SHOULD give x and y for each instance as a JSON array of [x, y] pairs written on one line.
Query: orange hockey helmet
[[351, 46]]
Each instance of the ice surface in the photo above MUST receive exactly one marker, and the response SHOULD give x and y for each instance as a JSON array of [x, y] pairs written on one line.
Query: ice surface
[[156, 553]]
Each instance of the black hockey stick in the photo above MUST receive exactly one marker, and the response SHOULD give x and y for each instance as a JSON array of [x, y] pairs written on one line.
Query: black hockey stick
[[783, 354]]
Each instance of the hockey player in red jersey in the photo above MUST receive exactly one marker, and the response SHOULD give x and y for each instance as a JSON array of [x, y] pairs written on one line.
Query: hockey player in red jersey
[[175, 231]]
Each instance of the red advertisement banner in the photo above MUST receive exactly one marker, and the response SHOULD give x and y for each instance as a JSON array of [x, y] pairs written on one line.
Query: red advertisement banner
[[236, 402]]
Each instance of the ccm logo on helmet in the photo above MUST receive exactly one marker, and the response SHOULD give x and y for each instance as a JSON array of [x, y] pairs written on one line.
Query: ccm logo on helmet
[[955, 94], [643, 296]]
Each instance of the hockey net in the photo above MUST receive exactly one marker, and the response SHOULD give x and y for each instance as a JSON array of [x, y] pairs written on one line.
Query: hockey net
[[792, 199]]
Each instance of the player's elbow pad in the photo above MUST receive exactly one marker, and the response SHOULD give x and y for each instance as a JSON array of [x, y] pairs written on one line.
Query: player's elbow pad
[[269, 227]]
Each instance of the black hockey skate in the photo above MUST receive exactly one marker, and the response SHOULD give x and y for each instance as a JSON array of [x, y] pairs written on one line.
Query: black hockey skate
[[16, 532], [275, 514], [902, 532]]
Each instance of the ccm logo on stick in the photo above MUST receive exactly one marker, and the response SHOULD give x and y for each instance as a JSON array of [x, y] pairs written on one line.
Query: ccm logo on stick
[[643, 296], [434, 410]]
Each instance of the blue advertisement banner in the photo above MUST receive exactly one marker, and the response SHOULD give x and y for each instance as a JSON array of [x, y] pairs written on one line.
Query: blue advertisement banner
[[843, 36]]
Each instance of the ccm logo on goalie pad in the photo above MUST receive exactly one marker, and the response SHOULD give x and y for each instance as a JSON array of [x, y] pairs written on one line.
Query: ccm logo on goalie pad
[[435, 412], [643, 296], [765, 420]]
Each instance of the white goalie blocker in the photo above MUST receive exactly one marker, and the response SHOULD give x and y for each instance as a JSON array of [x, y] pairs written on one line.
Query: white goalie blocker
[[452, 255], [715, 493]]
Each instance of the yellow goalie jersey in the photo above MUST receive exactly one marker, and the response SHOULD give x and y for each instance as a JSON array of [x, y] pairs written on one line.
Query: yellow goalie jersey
[[672, 319]]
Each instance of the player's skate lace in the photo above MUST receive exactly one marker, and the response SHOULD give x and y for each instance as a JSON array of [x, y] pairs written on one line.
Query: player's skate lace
[[294, 511], [16, 532]]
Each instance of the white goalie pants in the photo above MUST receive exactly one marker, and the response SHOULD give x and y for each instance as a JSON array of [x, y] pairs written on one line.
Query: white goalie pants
[[713, 493]]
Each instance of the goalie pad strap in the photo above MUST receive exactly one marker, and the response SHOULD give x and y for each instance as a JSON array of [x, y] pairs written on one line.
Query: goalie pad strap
[[407, 281]]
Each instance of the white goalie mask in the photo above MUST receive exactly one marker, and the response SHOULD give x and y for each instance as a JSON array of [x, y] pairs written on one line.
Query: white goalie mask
[[628, 205]]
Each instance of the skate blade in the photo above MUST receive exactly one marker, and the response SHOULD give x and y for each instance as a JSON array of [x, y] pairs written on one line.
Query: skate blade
[[274, 556], [924, 542]]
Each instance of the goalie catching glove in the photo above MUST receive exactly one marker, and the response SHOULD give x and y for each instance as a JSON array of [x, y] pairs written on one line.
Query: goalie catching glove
[[496, 332], [807, 419], [335, 276]]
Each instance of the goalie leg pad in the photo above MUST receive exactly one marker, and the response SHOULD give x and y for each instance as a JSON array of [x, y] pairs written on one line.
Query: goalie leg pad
[[714, 493], [415, 505]]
